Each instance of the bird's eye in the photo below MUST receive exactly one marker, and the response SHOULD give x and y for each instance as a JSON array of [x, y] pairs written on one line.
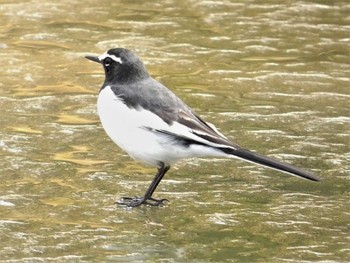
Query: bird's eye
[[107, 61]]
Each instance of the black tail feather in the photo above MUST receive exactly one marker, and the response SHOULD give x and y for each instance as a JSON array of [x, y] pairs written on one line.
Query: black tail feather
[[269, 162]]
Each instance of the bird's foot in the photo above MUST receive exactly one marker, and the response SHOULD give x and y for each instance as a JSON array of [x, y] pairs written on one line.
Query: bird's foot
[[137, 201]]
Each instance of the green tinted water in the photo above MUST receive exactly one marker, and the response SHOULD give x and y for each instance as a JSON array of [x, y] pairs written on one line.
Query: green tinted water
[[273, 76]]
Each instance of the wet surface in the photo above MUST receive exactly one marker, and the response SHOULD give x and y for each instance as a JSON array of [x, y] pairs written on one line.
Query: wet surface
[[272, 77]]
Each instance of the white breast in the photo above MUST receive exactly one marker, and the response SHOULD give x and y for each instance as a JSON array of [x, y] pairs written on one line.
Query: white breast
[[125, 126]]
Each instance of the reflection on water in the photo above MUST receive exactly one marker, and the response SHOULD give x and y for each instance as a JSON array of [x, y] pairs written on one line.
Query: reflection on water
[[273, 76]]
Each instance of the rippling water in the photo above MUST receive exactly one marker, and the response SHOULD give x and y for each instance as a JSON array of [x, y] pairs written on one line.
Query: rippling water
[[274, 77]]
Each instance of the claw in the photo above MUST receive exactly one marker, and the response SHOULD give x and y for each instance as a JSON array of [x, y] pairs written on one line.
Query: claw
[[137, 201], [161, 201]]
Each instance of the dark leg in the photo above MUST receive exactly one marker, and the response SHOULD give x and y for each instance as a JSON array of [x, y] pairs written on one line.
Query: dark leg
[[147, 198]]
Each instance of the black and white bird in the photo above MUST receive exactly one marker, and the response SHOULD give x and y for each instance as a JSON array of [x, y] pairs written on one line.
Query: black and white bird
[[154, 126]]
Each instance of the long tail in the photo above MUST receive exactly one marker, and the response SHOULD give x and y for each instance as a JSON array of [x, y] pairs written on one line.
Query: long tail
[[269, 162]]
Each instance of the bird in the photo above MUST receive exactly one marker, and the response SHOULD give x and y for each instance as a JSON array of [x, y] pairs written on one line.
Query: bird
[[154, 126]]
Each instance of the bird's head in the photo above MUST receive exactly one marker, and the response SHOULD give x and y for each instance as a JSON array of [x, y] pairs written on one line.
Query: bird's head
[[121, 66]]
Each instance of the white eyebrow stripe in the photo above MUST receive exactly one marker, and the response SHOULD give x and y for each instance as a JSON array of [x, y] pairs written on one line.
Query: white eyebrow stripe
[[113, 57]]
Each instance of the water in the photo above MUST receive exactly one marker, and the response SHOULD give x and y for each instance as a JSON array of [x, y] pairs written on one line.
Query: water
[[272, 76]]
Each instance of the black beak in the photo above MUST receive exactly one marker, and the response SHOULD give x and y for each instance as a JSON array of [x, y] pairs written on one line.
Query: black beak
[[93, 58]]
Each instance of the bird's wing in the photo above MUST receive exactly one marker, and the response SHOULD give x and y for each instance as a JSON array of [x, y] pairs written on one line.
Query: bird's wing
[[201, 129], [183, 122]]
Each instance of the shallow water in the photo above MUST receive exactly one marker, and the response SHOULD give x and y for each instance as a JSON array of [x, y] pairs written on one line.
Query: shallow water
[[273, 76]]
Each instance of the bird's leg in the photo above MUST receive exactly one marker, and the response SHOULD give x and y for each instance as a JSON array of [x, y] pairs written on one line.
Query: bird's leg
[[147, 199]]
